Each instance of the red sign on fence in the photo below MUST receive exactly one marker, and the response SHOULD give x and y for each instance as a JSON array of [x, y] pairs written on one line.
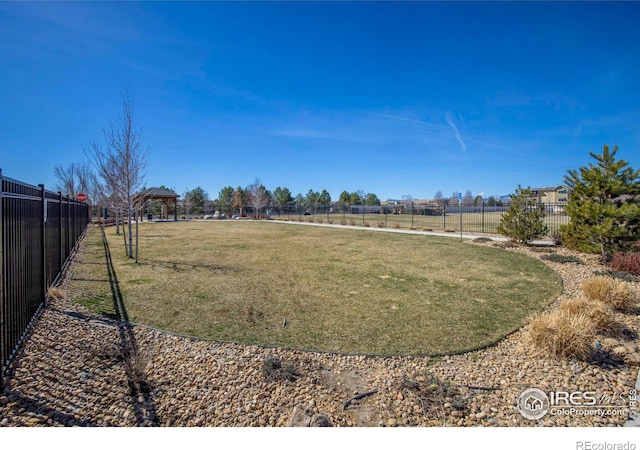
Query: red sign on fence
[[81, 197]]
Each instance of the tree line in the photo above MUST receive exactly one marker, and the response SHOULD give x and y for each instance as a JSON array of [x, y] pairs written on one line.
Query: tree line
[[257, 197]]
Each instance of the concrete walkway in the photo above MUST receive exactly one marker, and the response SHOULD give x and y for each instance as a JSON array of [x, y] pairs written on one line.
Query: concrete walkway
[[405, 231]]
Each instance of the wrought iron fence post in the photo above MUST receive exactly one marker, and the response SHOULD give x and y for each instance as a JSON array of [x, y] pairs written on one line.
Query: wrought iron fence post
[[444, 216], [60, 228], [483, 216], [3, 311], [67, 249], [43, 238], [411, 213]]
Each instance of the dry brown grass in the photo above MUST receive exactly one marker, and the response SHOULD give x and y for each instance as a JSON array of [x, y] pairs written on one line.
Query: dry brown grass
[[563, 333], [615, 293], [55, 293], [600, 314]]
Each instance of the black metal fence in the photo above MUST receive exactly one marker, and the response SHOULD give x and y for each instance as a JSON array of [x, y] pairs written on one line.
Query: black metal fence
[[470, 219], [38, 231]]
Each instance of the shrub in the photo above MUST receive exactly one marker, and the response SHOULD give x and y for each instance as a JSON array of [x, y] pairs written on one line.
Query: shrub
[[524, 220], [623, 276], [367, 224], [544, 250], [380, 224], [318, 220], [330, 221], [554, 257], [427, 229], [272, 369], [343, 222], [352, 223], [432, 392], [563, 334], [396, 226], [610, 291], [413, 228], [626, 262], [449, 230]]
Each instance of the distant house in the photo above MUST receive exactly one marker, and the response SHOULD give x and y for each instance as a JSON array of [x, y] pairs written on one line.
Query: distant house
[[556, 194]]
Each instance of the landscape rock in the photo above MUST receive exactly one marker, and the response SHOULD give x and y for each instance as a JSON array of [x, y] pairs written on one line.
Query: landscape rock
[[70, 372], [320, 420], [299, 417]]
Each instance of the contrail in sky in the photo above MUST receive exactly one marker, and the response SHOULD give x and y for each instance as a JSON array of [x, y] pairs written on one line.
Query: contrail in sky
[[407, 119], [447, 117]]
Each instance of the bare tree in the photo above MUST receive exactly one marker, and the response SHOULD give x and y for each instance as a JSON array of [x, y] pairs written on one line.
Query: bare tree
[[121, 162], [75, 178], [66, 179], [258, 196]]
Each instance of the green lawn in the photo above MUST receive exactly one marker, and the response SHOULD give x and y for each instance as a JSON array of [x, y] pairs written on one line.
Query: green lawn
[[316, 288]]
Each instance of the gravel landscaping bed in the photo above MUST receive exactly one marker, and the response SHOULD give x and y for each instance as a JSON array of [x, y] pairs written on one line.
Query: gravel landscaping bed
[[76, 368]]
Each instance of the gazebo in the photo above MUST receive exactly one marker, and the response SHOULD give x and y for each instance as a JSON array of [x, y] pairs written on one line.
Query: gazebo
[[162, 194]]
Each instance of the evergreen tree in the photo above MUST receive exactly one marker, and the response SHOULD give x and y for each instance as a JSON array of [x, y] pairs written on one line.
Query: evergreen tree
[[524, 220], [282, 196], [239, 200], [604, 206], [324, 198], [225, 200], [198, 197], [371, 199]]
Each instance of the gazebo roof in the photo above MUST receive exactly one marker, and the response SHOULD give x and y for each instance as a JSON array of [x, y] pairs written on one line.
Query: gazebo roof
[[156, 193]]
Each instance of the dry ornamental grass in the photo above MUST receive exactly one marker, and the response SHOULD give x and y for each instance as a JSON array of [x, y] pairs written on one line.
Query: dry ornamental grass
[[600, 314], [612, 292], [563, 333]]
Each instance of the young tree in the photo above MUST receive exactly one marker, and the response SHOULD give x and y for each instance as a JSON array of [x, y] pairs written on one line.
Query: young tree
[[121, 161], [75, 179], [453, 200], [257, 197], [300, 200], [524, 220], [440, 199], [604, 205], [186, 202], [467, 198], [239, 199]]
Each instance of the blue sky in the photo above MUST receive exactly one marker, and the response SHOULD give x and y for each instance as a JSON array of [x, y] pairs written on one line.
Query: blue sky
[[391, 98]]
